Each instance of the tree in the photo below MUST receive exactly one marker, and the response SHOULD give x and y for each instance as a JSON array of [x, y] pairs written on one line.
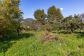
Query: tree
[[40, 16], [54, 17], [10, 14], [71, 23]]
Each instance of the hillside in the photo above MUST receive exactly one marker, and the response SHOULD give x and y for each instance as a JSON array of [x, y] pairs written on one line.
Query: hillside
[[41, 28], [31, 45]]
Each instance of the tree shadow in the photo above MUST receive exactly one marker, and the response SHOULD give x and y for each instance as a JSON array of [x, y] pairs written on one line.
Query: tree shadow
[[62, 32], [8, 42], [5, 45], [25, 35], [21, 36], [79, 34]]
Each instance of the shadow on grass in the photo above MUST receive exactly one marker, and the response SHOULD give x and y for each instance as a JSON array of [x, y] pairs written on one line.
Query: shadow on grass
[[62, 32], [26, 35], [7, 43], [79, 34]]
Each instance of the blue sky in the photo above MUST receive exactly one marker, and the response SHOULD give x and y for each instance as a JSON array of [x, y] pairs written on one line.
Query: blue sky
[[70, 7]]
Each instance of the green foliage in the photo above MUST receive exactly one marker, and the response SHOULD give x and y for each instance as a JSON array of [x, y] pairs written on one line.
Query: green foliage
[[40, 16], [71, 23], [10, 15], [54, 17], [54, 14], [47, 27]]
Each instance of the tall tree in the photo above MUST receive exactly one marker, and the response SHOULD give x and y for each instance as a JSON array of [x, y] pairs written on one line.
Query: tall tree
[[40, 16], [10, 12], [54, 16]]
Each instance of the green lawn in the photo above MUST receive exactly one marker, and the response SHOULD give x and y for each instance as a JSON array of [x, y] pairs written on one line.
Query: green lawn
[[31, 45]]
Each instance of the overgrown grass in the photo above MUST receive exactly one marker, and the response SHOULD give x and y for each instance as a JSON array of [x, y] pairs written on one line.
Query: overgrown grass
[[30, 45]]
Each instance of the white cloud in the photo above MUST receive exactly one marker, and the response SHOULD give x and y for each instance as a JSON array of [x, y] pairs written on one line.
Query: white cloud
[[61, 9]]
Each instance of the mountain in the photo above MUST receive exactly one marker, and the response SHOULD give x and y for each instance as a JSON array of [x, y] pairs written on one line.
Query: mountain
[[82, 17], [27, 23]]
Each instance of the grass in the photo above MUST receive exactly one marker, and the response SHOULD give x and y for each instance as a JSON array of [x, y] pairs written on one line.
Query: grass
[[30, 45]]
